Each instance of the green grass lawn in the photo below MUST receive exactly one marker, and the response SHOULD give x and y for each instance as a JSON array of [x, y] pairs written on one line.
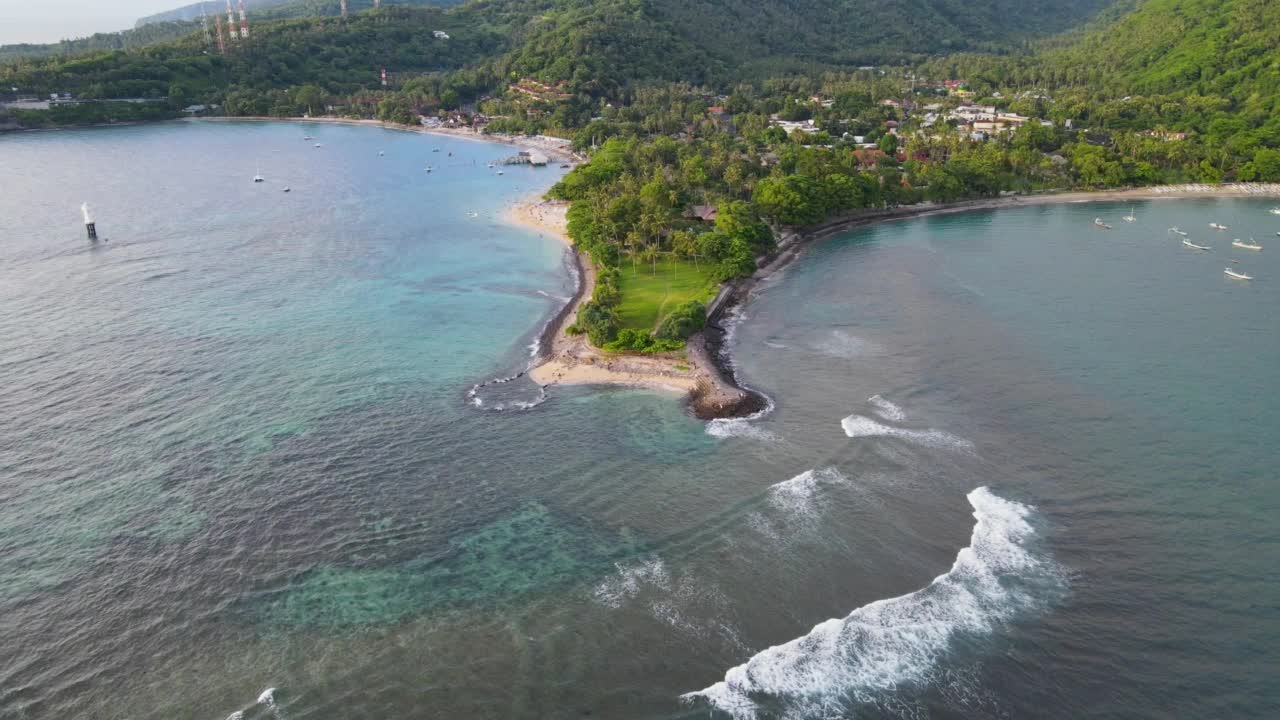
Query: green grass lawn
[[647, 298]]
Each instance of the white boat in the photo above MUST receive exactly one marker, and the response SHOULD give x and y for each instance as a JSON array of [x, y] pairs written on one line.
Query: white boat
[[257, 177], [1130, 217], [1217, 226], [317, 144], [1274, 211], [1194, 246], [473, 215], [1176, 231], [1098, 223], [501, 173], [307, 137], [1237, 275], [1251, 245], [287, 190]]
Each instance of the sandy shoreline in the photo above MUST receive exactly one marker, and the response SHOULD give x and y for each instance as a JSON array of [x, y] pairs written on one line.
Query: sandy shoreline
[[703, 373], [555, 148]]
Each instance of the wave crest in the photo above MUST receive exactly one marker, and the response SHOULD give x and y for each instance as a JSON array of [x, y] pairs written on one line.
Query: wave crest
[[898, 641], [858, 426], [886, 409]]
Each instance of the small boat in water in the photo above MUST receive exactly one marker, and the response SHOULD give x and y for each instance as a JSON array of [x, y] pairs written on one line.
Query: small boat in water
[[380, 153], [1251, 245], [1176, 231], [1194, 246], [287, 190], [307, 137], [257, 176], [317, 145], [1237, 275], [1274, 211], [1217, 226], [1097, 222], [1130, 217]]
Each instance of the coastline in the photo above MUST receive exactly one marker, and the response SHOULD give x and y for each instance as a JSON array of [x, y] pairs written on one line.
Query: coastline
[[704, 374], [556, 148], [565, 359]]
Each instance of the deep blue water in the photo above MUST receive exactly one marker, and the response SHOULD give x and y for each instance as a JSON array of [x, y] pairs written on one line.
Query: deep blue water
[[236, 453]]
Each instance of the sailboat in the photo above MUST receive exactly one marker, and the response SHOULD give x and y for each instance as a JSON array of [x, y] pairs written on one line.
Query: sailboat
[[257, 176], [1251, 245], [1194, 246], [1130, 217], [1237, 275]]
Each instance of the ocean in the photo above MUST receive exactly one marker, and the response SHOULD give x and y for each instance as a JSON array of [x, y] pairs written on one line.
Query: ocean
[[1015, 466]]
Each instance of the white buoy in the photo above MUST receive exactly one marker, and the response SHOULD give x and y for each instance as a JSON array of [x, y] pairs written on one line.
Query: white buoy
[[89, 226]]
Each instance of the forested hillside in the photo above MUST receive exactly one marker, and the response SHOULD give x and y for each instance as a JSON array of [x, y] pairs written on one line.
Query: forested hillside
[[125, 40]]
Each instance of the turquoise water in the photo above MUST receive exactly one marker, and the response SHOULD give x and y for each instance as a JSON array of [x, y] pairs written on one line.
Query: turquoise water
[[239, 455]]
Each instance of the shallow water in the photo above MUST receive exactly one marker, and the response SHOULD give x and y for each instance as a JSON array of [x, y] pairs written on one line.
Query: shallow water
[[240, 454]]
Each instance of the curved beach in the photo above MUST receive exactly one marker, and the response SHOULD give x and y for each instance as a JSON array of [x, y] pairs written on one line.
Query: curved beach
[[704, 374]]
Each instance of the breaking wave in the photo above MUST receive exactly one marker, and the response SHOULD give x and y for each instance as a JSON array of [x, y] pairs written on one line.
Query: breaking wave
[[738, 427], [624, 586], [857, 426], [799, 496], [266, 699], [886, 409], [899, 641]]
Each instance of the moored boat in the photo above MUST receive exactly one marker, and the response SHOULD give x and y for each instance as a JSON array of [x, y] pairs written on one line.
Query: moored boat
[[1097, 222], [1237, 275], [1194, 246], [1217, 226], [1251, 245], [1176, 231]]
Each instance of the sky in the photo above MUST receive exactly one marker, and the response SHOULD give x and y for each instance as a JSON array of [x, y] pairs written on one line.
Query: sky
[[43, 21]]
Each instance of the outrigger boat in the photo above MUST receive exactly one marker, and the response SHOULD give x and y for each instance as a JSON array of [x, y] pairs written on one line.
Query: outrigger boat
[[1176, 231], [1251, 245], [1237, 275], [1194, 246]]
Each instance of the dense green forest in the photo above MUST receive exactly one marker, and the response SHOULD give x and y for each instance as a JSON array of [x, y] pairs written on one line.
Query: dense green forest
[[680, 104]]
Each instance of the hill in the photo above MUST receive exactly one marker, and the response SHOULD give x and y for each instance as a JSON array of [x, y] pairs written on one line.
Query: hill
[[279, 9]]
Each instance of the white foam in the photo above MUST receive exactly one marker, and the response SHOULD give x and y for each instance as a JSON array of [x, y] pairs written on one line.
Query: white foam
[[886, 409], [615, 591], [268, 697], [237, 715], [898, 641], [798, 497], [738, 427], [857, 426]]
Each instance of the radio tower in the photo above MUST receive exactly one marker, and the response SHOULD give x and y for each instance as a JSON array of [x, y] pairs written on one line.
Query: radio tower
[[231, 23], [244, 23], [222, 41], [204, 25], [344, 9]]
